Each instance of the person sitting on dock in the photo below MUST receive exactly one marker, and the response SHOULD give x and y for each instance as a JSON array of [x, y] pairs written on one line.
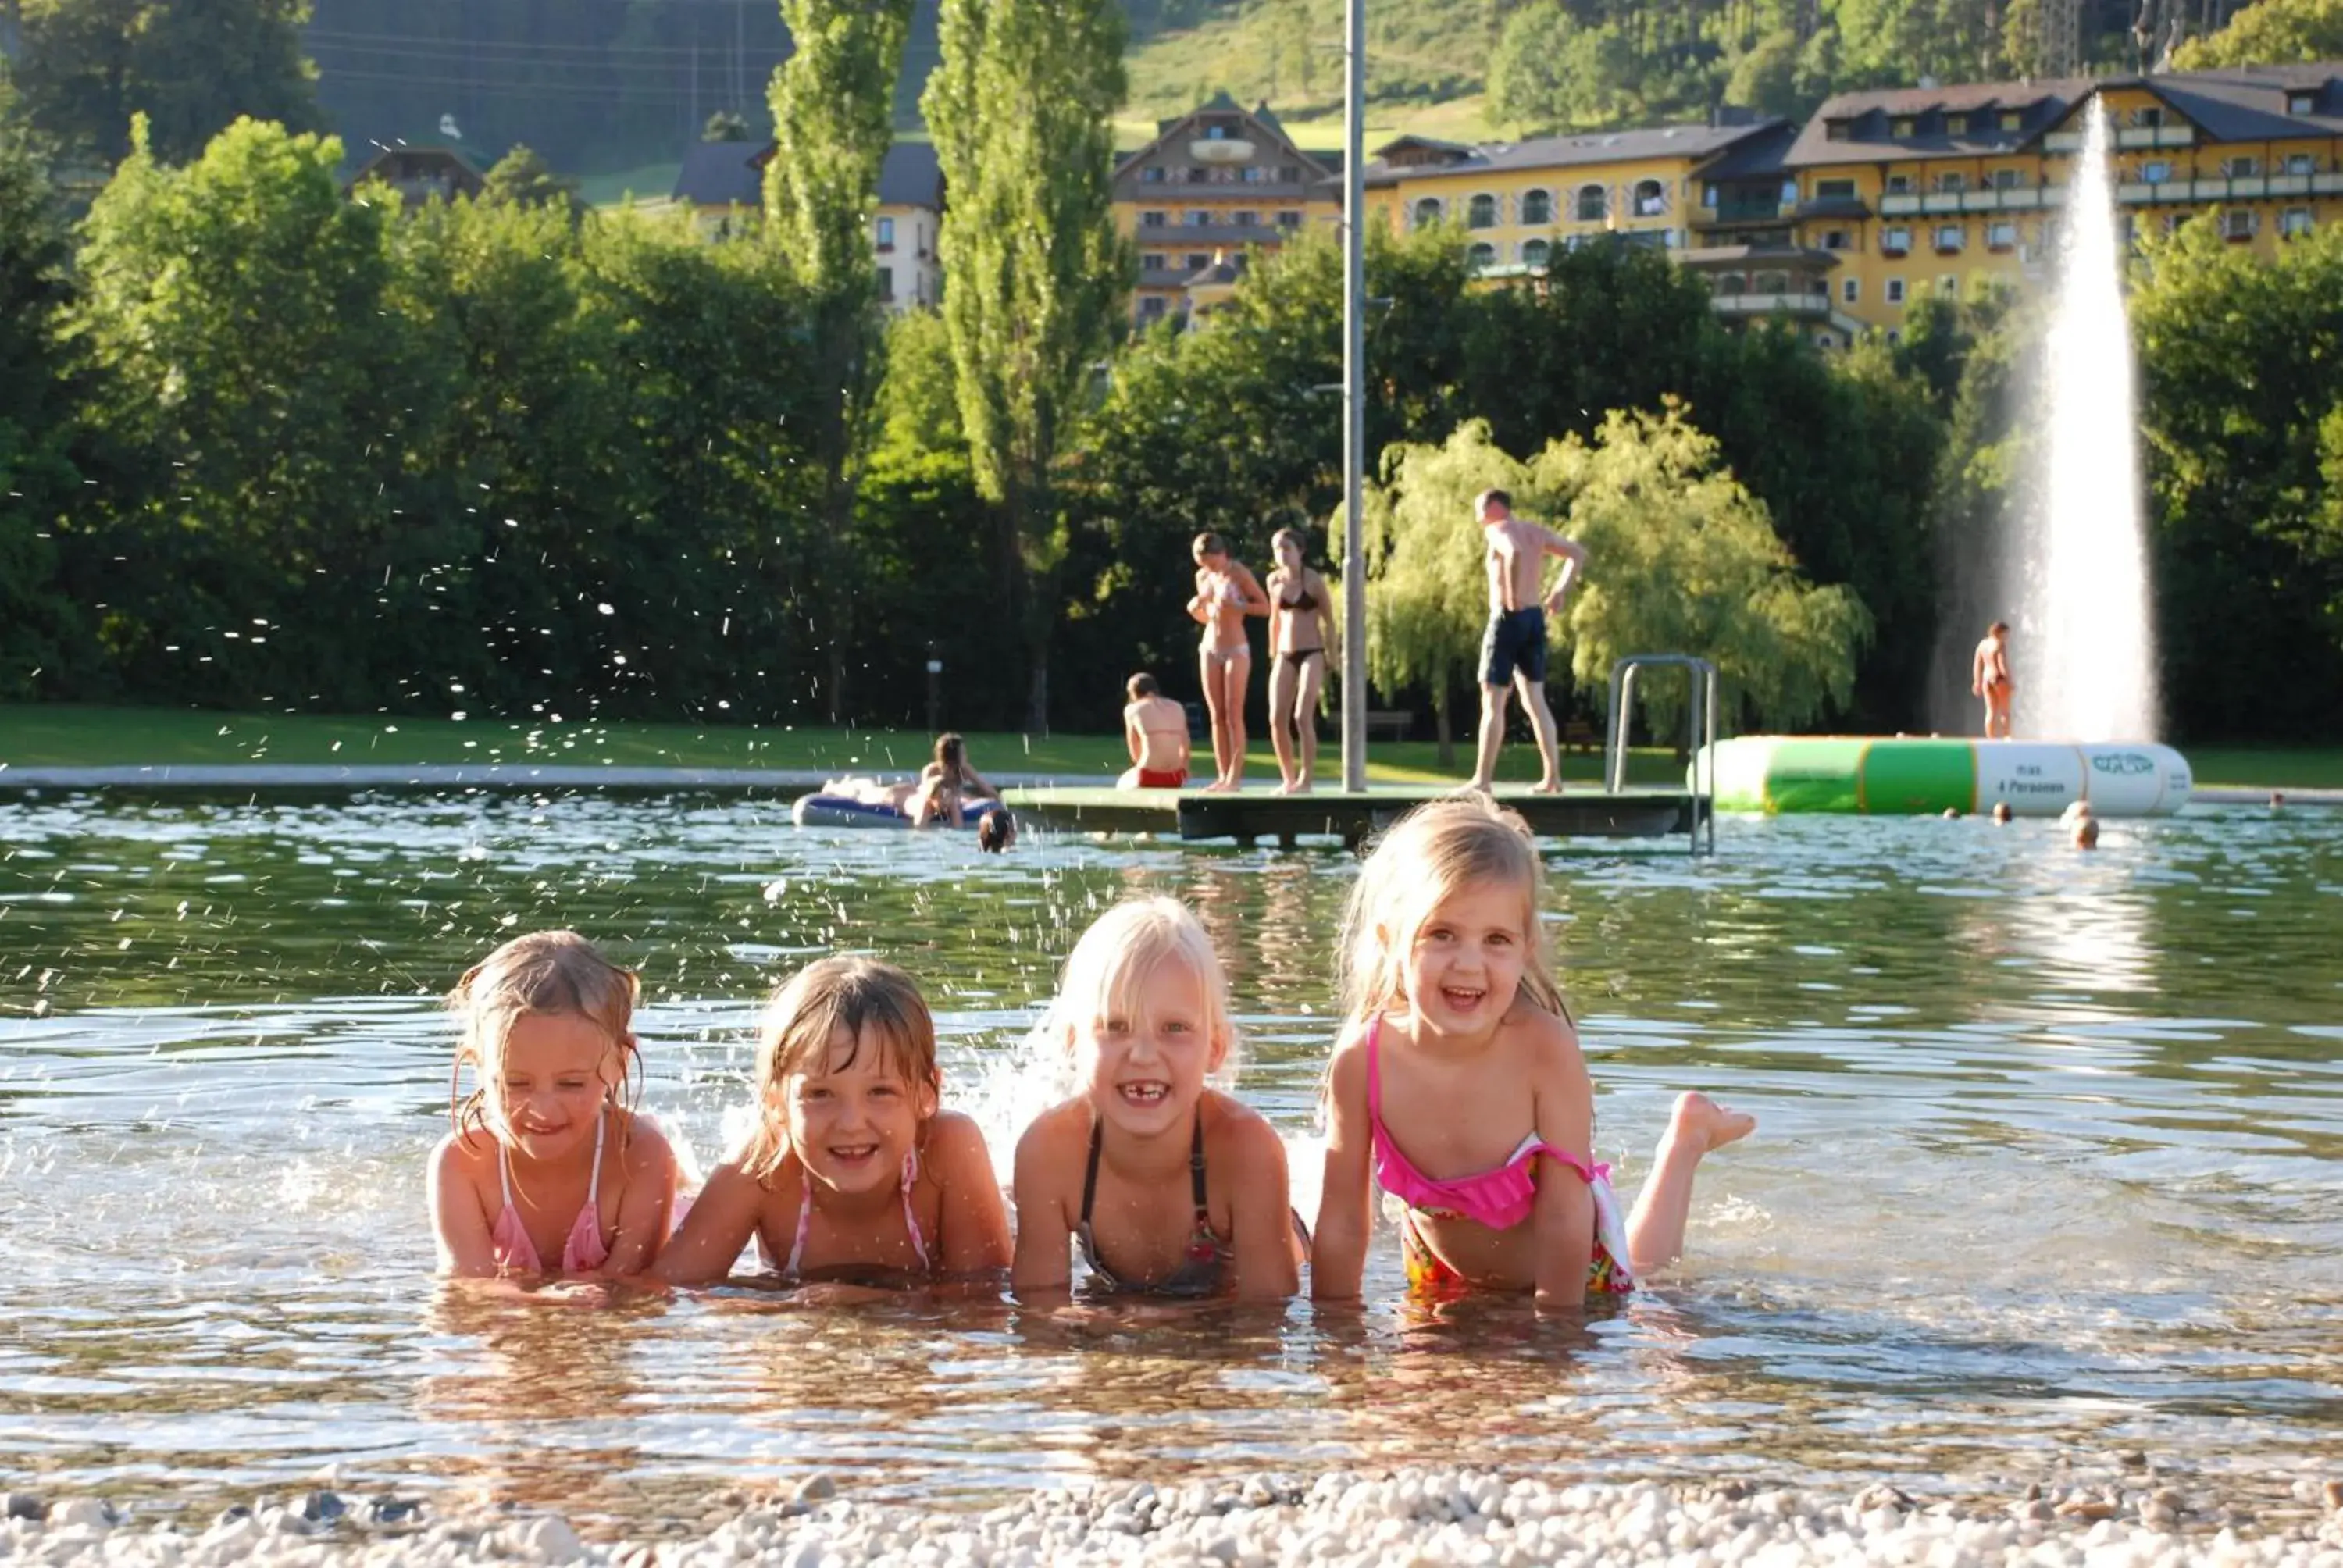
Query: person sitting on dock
[[1155, 731], [1513, 653], [1989, 678]]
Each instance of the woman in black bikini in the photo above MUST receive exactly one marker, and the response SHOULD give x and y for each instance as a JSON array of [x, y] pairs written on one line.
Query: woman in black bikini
[[1301, 627]]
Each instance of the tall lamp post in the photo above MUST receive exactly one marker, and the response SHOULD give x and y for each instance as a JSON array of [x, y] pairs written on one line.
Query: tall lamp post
[[1354, 394]]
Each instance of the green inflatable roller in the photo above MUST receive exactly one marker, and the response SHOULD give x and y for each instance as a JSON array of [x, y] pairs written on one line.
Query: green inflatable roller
[[1928, 775]]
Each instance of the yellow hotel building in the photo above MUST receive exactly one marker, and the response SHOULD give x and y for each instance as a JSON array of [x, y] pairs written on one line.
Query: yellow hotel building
[[1882, 197]]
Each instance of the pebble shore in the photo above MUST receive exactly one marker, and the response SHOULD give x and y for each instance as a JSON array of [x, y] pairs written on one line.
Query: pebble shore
[[1460, 1516]]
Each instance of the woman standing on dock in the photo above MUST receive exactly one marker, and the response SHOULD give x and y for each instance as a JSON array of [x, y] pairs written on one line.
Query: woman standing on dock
[[1301, 629], [1226, 592]]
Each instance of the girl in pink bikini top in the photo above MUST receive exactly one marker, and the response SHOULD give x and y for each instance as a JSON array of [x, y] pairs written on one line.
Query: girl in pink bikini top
[[543, 1135], [853, 1171], [1443, 934]]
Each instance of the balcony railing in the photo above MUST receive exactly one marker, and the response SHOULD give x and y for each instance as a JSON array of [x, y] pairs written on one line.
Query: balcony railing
[[1764, 211], [1808, 306], [2127, 137], [2252, 188]]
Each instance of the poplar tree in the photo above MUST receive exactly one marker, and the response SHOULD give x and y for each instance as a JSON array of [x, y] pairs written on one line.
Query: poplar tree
[[1034, 272], [833, 102]]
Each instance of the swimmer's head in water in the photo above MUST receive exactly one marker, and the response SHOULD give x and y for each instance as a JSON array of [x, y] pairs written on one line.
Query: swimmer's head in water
[[2086, 832], [543, 974], [2001, 810], [826, 1020], [1142, 687], [996, 832]]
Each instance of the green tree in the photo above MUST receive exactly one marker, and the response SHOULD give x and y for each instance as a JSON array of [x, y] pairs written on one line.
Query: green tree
[[521, 178], [1019, 108], [833, 104], [40, 629], [1682, 557], [190, 67], [2269, 33], [235, 311], [2249, 523], [1550, 73]]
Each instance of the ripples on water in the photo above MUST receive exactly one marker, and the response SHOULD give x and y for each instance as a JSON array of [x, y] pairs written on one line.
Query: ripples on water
[[2048, 1157]]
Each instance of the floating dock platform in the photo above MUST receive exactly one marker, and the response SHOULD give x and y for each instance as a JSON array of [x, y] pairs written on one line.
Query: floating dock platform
[[1579, 813]]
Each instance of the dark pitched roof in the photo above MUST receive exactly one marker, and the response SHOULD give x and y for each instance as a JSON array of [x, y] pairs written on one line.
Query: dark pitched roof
[[1314, 164], [911, 176], [722, 173], [2249, 103], [1756, 156], [412, 167], [1868, 119], [1562, 152]]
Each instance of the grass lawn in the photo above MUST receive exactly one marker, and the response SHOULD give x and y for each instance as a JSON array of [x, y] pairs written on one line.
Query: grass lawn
[[2266, 766], [66, 736]]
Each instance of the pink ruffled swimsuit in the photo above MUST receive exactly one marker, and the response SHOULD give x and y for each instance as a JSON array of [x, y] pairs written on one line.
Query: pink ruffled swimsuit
[[583, 1251], [1500, 1199]]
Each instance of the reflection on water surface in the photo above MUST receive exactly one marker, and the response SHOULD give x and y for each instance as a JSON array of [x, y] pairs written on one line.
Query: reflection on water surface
[[2048, 1158]]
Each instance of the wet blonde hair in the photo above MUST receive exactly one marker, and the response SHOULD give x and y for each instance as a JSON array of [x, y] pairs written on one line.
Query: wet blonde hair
[[549, 973], [853, 994], [1429, 856], [1111, 963]]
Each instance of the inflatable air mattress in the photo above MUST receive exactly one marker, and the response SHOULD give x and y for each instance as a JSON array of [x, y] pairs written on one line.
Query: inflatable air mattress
[[839, 811]]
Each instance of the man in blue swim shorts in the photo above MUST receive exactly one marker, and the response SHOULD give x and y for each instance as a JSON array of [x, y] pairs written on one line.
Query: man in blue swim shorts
[[1512, 653]]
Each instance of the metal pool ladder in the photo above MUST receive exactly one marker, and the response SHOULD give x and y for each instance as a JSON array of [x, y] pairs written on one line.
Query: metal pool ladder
[[1700, 725]]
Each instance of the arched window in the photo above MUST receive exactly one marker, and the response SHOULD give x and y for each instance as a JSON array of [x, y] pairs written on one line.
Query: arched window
[[1732, 282], [1537, 208], [1482, 256], [1651, 199], [1593, 205], [1427, 212], [1482, 213], [1533, 252]]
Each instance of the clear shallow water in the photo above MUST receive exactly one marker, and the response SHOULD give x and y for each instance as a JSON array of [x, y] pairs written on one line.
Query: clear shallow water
[[2047, 1158]]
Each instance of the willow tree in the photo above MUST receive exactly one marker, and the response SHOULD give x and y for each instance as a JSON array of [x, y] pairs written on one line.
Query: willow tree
[[833, 121], [1681, 559], [1033, 269]]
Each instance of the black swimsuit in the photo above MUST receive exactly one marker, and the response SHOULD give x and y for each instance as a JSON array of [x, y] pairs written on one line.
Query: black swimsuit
[[1306, 605], [1202, 1272]]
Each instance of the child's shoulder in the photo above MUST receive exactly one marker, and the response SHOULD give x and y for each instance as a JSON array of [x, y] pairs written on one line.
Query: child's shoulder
[[469, 1153], [1546, 1040], [1235, 1130], [1063, 1126], [644, 1147], [953, 1134]]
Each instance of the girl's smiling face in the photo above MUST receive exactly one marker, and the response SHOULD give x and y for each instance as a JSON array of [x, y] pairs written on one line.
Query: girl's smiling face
[[854, 1119], [1144, 1070], [1465, 966], [559, 1067]]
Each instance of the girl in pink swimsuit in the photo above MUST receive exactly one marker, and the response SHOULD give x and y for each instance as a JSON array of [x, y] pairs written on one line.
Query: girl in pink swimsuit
[[853, 1171], [549, 1170], [1165, 1185], [1458, 1087]]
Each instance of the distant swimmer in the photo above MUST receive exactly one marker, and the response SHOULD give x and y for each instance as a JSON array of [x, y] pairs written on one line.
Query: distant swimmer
[[1155, 733], [1512, 653], [1989, 678]]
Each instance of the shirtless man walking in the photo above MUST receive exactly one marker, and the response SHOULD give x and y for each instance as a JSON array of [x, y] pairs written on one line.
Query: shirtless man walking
[[1155, 733], [1989, 678], [1513, 653]]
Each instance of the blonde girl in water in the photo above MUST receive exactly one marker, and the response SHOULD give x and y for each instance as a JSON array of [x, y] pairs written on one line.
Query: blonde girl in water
[[1226, 592], [1166, 1185], [853, 1171], [549, 1170], [1300, 631], [1457, 1085]]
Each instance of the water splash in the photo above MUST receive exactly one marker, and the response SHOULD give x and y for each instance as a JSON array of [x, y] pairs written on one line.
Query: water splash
[[2084, 650]]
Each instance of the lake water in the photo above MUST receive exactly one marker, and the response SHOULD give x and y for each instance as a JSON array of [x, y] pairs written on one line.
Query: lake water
[[2047, 1161]]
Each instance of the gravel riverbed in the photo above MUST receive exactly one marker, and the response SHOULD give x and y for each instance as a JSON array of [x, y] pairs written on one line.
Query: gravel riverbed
[[1461, 1516]]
